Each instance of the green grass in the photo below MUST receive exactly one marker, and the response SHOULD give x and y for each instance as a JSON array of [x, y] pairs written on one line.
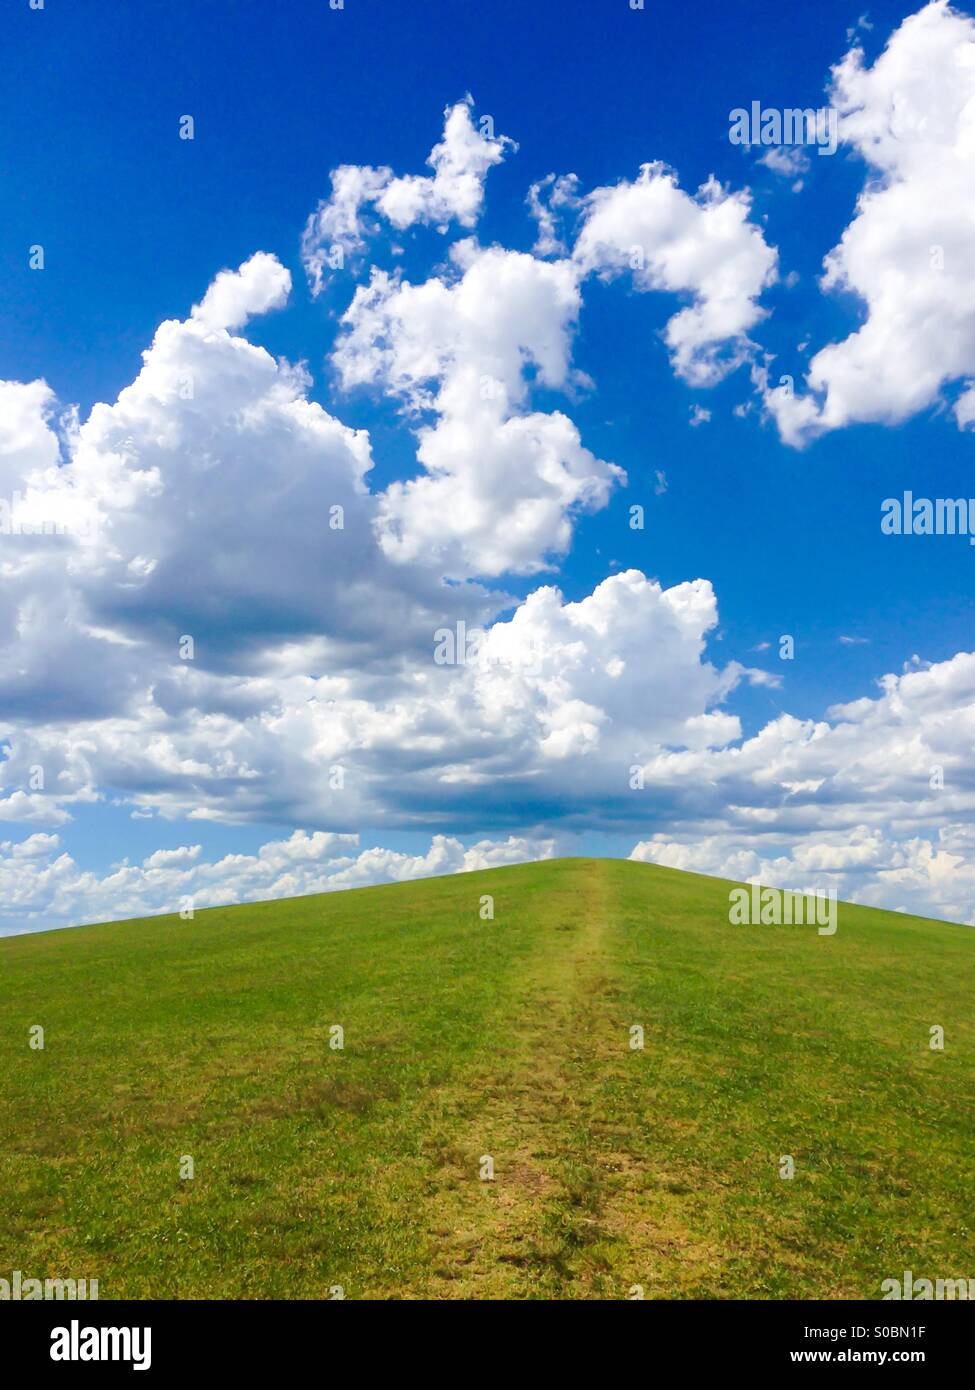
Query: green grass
[[613, 1167]]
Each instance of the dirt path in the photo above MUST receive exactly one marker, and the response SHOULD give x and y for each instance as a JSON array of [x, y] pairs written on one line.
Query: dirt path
[[537, 1228]]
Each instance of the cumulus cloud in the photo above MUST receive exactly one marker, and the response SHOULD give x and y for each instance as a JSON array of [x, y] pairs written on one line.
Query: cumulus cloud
[[704, 247], [908, 254], [213, 455], [930, 877], [548, 199], [260, 284], [28, 444], [172, 858], [550, 702], [501, 483], [454, 192], [147, 657], [876, 797]]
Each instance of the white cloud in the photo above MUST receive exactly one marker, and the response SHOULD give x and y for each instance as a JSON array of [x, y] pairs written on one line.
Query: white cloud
[[172, 858], [909, 253], [965, 407], [501, 484], [454, 192], [556, 706], [260, 284], [312, 675], [212, 456], [704, 246], [788, 161], [924, 876], [863, 23], [27, 442], [877, 794], [547, 200]]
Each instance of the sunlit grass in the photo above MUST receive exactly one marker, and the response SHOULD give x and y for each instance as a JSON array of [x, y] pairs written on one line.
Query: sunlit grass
[[359, 1168]]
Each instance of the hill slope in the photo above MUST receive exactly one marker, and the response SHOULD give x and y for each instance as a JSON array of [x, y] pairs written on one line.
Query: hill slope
[[317, 1167]]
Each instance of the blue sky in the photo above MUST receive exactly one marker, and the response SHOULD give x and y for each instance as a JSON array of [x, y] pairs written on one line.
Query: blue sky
[[135, 224]]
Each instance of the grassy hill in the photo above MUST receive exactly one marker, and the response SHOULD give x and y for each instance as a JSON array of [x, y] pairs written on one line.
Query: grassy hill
[[317, 1167]]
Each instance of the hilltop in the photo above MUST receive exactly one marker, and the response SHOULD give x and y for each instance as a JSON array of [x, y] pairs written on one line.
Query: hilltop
[[318, 1167]]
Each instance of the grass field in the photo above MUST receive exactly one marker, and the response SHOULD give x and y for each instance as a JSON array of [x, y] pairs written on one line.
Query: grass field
[[614, 1167]]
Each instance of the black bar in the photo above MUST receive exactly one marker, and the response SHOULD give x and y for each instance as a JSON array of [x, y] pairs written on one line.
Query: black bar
[[256, 1336]]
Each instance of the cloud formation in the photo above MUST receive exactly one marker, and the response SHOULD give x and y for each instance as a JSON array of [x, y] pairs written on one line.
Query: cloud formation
[[909, 253], [877, 800], [704, 246], [454, 192], [500, 483]]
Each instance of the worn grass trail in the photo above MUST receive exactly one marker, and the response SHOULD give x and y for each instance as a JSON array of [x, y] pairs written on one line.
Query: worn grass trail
[[468, 1039], [534, 1092]]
